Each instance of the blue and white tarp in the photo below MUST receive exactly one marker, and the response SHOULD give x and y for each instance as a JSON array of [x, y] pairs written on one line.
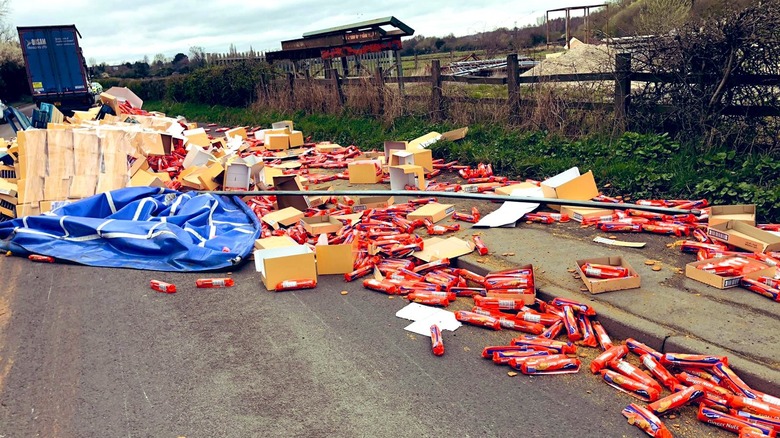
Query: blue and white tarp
[[140, 228]]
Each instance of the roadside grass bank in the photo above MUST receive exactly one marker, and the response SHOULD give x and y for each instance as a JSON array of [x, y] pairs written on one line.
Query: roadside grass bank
[[633, 165]]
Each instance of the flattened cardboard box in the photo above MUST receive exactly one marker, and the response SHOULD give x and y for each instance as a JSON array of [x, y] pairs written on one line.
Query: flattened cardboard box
[[437, 248], [276, 265], [288, 216], [725, 213], [365, 202], [433, 212], [744, 236], [599, 285], [759, 269]]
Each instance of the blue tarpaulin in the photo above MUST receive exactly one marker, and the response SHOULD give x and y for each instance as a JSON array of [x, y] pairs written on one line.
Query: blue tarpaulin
[[140, 228]]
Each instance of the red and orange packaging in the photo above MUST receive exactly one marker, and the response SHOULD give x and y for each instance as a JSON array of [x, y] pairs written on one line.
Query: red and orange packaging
[[478, 320], [687, 396], [620, 275], [632, 372], [550, 364], [161, 286], [659, 371], [299, 284], [646, 420], [729, 422], [601, 361], [437, 344], [536, 343], [630, 386], [214, 282]]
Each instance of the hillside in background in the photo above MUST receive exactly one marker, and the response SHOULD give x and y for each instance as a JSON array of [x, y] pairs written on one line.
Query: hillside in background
[[621, 18]]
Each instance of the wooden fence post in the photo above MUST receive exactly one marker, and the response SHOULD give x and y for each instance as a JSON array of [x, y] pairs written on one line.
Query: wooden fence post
[[436, 96], [291, 84], [336, 83], [379, 82], [513, 99], [327, 67], [622, 85]]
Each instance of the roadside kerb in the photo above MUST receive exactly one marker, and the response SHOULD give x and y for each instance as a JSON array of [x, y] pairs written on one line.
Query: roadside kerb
[[622, 324]]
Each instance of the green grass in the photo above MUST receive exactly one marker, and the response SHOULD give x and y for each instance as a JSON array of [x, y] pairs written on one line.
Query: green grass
[[632, 165]]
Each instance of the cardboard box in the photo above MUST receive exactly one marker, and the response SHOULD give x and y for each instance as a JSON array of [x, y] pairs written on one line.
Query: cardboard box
[[290, 182], [275, 242], [424, 141], [437, 248], [570, 185], [23, 210], [455, 134], [392, 146], [421, 157], [364, 172], [286, 217], [237, 175], [335, 259], [208, 177], [236, 132], [407, 174], [197, 137], [277, 142], [598, 285], [283, 124], [725, 213], [197, 156], [326, 148], [744, 236], [580, 213], [756, 269], [144, 178], [276, 265], [296, 139], [433, 212], [317, 225], [7, 188], [507, 190], [154, 143], [267, 175], [365, 202]]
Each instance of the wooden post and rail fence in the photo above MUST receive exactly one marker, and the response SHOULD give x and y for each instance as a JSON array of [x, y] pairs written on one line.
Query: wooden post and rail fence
[[622, 77]]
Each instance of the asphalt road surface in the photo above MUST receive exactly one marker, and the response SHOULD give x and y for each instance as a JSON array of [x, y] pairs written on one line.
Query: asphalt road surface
[[90, 352]]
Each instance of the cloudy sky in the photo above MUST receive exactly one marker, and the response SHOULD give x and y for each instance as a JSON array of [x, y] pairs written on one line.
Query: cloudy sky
[[115, 31]]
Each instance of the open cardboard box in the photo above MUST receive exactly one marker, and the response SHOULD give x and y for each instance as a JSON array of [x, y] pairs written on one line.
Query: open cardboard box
[[406, 174], [579, 214], [744, 236], [755, 267], [725, 213], [274, 242], [570, 185], [507, 190], [283, 124], [327, 147], [316, 225], [236, 132], [276, 265], [391, 147], [598, 285], [335, 259], [437, 248], [433, 212], [286, 217], [290, 182], [364, 172], [277, 142]]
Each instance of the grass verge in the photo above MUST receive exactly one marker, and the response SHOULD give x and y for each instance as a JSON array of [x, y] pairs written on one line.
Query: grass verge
[[633, 165]]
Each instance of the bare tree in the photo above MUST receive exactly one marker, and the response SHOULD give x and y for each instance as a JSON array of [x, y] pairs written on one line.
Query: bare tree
[[7, 33], [661, 16], [197, 56], [704, 58]]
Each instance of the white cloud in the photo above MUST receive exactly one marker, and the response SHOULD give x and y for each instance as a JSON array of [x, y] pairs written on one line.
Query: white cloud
[[116, 31]]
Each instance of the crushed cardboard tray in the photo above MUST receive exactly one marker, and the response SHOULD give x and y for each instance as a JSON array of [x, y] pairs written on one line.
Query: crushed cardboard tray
[[437, 248]]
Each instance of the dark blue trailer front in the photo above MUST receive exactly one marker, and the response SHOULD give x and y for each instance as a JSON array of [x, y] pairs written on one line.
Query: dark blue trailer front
[[56, 69]]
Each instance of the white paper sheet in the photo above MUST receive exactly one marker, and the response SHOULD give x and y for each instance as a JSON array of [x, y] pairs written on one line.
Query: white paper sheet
[[511, 212], [425, 316]]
